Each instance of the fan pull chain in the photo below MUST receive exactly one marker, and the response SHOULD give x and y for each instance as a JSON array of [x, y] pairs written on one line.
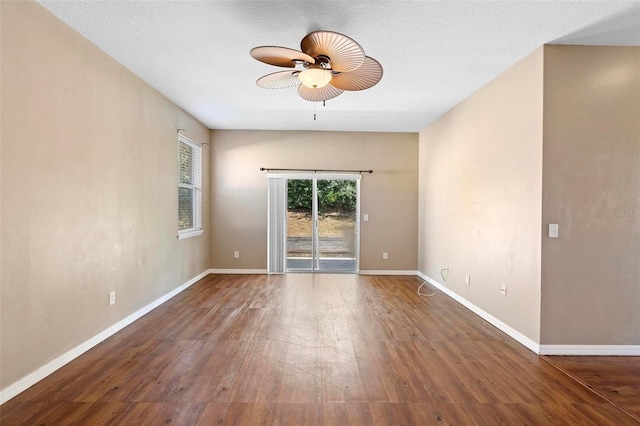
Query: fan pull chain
[[324, 104]]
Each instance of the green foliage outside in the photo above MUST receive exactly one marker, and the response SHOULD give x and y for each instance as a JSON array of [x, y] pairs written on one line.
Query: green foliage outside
[[333, 195]]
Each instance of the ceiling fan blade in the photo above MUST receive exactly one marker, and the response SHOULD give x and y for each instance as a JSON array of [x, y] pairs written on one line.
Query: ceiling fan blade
[[280, 56], [368, 75], [318, 95], [279, 80], [345, 53]]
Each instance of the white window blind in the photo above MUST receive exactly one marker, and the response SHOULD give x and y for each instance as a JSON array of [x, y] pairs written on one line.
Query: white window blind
[[189, 188], [277, 225]]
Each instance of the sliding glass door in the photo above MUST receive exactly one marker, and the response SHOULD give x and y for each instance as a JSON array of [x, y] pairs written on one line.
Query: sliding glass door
[[322, 225], [336, 202], [300, 228]]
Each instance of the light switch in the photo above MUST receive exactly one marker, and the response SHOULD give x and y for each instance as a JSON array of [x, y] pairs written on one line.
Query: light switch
[[365, 217], [553, 230]]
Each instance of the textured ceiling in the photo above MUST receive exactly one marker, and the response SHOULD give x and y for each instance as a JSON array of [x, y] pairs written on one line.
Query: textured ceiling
[[434, 53]]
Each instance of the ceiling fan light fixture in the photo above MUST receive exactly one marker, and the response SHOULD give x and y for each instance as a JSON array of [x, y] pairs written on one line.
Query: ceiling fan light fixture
[[315, 78]]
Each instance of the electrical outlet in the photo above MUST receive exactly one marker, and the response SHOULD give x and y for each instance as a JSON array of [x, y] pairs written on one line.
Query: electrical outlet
[[467, 279], [236, 254], [385, 255], [503, 289], [112, 298]]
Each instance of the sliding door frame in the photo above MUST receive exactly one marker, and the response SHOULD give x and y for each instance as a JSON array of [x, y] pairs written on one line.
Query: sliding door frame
[[277, 224]]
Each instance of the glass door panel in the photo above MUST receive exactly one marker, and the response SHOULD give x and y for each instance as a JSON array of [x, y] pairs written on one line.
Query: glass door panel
[[300, 229], [322, 225], [336, 233]]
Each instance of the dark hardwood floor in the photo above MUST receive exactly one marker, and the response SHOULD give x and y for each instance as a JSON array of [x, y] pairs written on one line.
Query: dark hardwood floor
[[615, 378], [304, 349]]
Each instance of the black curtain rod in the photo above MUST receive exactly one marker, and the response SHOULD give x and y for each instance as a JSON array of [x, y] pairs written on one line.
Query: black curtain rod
[[262, 169]]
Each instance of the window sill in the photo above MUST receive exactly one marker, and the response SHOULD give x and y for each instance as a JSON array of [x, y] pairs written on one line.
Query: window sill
[[188, 233]]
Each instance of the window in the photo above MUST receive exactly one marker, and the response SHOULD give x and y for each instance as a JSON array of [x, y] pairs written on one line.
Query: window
[[189, 188]]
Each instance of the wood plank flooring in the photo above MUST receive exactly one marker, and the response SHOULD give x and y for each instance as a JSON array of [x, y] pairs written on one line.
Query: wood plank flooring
[[615, 378], [302, 349]]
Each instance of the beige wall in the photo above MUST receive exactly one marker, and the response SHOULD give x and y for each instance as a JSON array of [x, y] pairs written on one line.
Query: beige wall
[[591, 273], [239, 190], [480, 196], [88, 191]]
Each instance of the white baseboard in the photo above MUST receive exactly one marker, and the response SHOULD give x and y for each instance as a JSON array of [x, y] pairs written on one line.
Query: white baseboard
[[239, 271], [511, 332], [591, 350], [47, 369], [264, 271], [387, 272]]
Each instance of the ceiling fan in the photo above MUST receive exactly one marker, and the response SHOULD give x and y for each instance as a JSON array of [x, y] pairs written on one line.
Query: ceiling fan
[[327, 64]]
